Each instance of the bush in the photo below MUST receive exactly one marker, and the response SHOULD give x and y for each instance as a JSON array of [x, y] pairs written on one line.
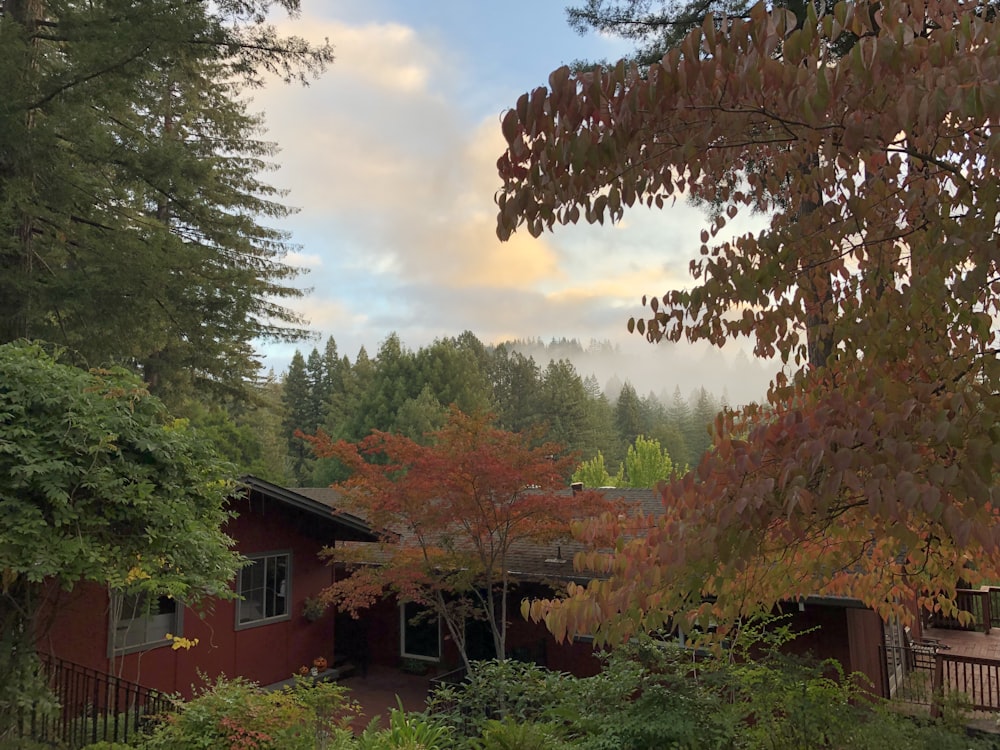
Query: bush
[[237, 714], [413, 731]]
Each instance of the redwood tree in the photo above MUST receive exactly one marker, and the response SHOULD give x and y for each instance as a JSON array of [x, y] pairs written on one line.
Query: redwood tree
[[453, 511], [871, 470]]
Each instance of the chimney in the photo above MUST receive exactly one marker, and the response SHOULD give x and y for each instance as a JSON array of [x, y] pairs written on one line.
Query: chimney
[[577, 487]]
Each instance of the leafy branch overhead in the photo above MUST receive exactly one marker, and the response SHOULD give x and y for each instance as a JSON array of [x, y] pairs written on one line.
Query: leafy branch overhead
[[871, 472]]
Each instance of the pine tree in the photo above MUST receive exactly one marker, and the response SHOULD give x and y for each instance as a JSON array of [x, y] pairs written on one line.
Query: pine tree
[[134, 227], [296, 398]]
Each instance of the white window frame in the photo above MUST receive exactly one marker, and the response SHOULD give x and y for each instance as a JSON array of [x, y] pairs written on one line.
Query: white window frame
[[404, 624], [279, 590], [126, 622]]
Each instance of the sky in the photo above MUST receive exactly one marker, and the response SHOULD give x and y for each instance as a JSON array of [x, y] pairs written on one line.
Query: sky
[[390, 158]]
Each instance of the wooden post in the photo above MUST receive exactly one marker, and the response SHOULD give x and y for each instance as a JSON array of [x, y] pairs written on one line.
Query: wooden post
[[937, 683]]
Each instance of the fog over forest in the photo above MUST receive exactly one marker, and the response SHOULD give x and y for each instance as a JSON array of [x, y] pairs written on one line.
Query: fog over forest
[[730, 373]]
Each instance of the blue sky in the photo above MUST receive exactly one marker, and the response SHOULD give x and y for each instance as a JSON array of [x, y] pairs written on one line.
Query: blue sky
[[390, 158]]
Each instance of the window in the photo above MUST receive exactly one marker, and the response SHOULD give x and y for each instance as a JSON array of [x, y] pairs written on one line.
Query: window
[[264, 588], [419, 633], [140, 621]]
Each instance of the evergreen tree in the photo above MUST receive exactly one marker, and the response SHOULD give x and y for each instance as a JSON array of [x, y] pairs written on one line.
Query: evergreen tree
[[316, 380], [392, 385], [452, 372], [134, 227], [298, 412], [515, 380], [420, 416], [706, 407], [563, 408], [628, 414]]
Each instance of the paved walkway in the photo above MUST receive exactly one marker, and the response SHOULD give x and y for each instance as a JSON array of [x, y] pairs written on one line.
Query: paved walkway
[[377, 692]]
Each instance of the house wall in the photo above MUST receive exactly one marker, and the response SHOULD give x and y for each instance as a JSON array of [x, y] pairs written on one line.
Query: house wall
[[528, 641], [265, 653]]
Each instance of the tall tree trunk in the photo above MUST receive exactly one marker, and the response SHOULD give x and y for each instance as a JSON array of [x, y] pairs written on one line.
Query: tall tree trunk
[[17, 261]]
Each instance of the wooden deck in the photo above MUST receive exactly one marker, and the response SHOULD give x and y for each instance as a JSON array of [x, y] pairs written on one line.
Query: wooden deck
[[966, 662], [968, 642]]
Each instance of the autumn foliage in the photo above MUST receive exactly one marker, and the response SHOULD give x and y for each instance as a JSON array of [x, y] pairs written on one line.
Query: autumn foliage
[[452, 512], [868, 137]]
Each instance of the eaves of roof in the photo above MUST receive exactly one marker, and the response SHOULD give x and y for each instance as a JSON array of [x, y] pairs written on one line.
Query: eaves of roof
[[350, 527]]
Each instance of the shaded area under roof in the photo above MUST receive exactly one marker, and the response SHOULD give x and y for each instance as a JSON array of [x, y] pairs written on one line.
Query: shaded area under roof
[[345, 526]]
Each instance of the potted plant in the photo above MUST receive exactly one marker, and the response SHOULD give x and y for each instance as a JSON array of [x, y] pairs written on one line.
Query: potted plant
[[313, 608]]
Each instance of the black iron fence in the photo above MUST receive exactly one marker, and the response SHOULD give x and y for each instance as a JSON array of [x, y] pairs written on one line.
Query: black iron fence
[[92, 706]]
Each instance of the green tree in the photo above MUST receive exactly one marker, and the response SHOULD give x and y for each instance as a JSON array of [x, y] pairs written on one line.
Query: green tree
[[515, 380], [628, 415], [134, 226], [451, 369], [420, 416], [98, 484], [594, 473], [646, 463], [297, 400], [562, 407], [392, 385]]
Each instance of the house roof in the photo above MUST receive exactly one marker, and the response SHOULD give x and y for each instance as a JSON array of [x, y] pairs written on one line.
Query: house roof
[[345, 526], [551, 561]]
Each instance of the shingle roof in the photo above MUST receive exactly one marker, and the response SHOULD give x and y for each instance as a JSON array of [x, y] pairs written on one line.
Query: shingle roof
[[551, 561]]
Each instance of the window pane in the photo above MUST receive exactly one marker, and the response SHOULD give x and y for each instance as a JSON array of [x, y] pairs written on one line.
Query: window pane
[[263, 586], [420, 637], [142, 620]]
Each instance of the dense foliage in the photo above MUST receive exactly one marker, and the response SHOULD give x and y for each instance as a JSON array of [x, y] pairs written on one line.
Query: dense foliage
[[871, 473], [135, 228], [653, 694], [238, 714], [453, 512], [98, 484], [409, 392]]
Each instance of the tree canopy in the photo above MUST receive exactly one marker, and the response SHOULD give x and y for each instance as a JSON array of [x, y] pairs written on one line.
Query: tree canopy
[[135, 228], [871, 470], [454, 511], [98, 484]]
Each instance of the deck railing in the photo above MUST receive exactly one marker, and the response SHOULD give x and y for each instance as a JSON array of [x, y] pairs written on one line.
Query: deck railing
[[926, 676], [93, 706], [994, 597], [978, 602]]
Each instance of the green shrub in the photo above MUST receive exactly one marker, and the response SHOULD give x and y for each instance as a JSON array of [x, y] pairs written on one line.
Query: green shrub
[[237, 714], [414, 731], [497, 690], [511, 735]]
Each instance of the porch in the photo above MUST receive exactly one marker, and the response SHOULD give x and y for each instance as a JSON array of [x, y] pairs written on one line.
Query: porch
[[949, 661]]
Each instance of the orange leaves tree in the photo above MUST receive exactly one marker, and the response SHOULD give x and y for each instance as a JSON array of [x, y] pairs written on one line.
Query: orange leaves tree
[[453, 512], [871, 472]]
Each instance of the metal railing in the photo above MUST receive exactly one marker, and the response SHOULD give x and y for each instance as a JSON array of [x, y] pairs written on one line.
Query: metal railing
[[926, 676], [93, 706]]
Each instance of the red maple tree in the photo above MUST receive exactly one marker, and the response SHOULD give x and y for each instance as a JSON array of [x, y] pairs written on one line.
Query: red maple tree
[[453, 512]]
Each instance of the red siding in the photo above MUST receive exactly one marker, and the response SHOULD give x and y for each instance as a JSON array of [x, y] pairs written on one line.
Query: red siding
[[265, 654]]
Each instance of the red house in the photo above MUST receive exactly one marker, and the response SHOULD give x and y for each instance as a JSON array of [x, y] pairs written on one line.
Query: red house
[[264, 635], [831, 627]]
